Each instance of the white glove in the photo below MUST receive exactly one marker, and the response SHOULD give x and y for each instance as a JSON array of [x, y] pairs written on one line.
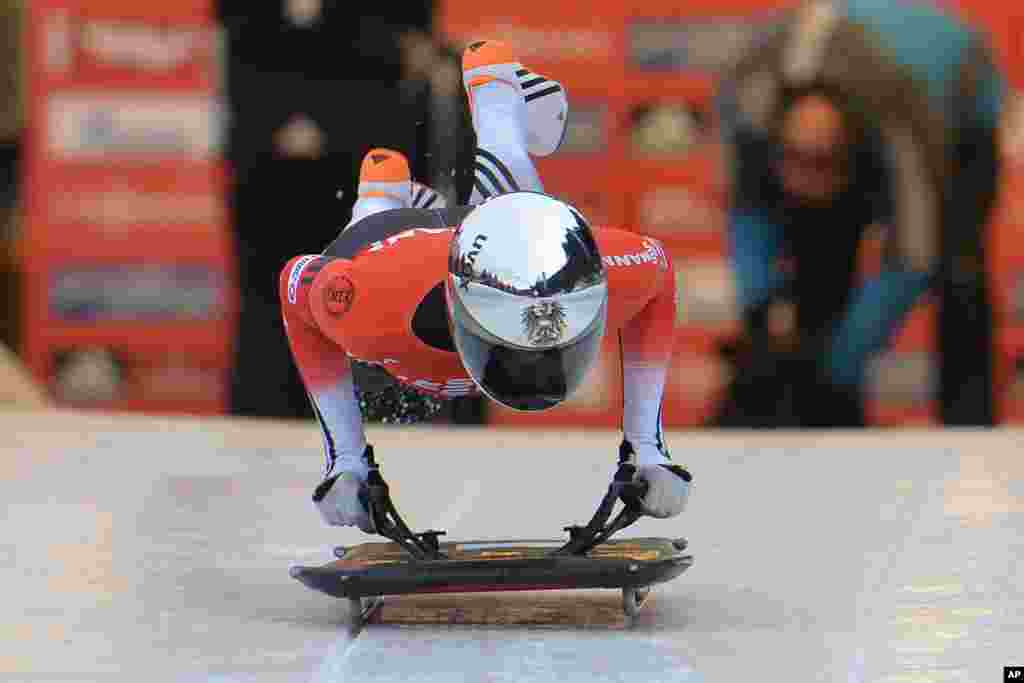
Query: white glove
[[337, 499], [668, 489]]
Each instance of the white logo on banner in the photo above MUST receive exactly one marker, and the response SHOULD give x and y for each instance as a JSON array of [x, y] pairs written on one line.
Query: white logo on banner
[[149, 48], [541, 44], [673, 209], [707, 293], [128, 208], [91, 125]]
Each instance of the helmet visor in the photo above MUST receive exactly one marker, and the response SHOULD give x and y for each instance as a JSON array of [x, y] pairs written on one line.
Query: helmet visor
[[520, 378]]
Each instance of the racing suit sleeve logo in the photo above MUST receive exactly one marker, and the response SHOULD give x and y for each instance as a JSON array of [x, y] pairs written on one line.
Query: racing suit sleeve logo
[[339, 292]]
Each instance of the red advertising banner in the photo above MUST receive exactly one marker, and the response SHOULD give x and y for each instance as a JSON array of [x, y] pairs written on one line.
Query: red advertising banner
[[129, 295]]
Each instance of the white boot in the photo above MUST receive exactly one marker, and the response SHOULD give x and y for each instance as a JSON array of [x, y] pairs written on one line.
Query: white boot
[[545, 102]]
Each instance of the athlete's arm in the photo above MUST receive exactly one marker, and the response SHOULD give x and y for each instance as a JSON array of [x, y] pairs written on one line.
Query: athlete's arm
[[642, 297], [642, 313], [646, 341], [324, 366]]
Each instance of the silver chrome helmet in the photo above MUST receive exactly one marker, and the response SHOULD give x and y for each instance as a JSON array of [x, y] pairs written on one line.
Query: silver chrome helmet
[[527, 299]]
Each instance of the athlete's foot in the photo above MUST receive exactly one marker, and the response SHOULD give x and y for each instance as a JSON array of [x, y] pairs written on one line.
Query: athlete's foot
[[546, 107], [385, 173], [384, 184]]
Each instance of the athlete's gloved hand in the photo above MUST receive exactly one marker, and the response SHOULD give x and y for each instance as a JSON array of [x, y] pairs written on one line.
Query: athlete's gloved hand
[[668, 485], [339, 499], [668, 489]]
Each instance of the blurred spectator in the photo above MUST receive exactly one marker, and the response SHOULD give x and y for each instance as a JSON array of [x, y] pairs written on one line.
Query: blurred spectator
[[10, 75], [10, 132], [17, 388], [840, 117], [312, 86]]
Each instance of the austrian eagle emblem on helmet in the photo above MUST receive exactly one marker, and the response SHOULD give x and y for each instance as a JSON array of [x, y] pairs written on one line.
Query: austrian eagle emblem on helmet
[[544, 323]]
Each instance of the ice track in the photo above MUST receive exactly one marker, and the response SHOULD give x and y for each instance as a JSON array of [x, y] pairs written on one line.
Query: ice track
[[158, 550]]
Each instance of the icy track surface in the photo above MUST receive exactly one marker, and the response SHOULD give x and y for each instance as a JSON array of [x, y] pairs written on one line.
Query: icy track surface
[[139, 549]]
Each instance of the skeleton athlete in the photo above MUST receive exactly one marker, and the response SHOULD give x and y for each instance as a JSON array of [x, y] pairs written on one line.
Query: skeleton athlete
[[509, 296]]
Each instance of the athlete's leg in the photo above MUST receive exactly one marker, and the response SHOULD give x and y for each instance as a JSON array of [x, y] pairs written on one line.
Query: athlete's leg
[[499, 113], [642, 312]]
